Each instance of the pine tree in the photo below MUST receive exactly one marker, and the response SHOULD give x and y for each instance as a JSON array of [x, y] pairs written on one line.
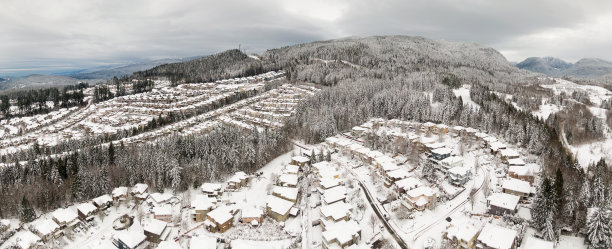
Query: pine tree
[[558, 192], [76, 189], [27, 212], [111, 153], [542, 205], [548, 233], [104, 180], [599, 229]]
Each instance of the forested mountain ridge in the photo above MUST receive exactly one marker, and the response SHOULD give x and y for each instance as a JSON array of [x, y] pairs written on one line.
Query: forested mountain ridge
[[593, 69], [228, 64]]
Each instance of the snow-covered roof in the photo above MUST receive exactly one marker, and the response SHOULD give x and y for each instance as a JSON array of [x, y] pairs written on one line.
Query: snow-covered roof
[[211, 187], [408, 183], [155, 226], [119, 191], [278, 205], [160, 198], [464, 231], [336, 210], [203, 242], [24, 239], [168, 245], [300, 159], [526, 170], [44, 227], [398, 173], [452, 160], [421, 191], [201, 202], [291, 169], [131, 237], [535, 243], [251, 212], [459, 170], [442, 151], [495, 146], [497, 237], [458, 128], [64, 215], [286, 192], [517, 185], [516, 162], [288, 179], [329, 182], [87, 208], [221, 214], [162, 210], [334, 194], [509, 153], [503, 200], [343, 231], [102, 200], [139, 188]]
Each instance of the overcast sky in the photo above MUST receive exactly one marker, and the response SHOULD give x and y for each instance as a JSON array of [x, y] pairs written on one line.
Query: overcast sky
[[69, 34]]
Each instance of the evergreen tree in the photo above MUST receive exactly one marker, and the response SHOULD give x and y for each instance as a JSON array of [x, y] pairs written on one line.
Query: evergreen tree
[[558, 192], [111, 153], [543, 204], [599, 229], [548, 233], [27, 212]]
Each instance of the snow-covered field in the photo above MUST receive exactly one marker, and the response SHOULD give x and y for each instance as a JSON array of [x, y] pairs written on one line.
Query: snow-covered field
[[596, 94], [464, 93]]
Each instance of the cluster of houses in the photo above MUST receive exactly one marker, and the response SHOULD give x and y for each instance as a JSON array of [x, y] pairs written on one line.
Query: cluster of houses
[[338, 229], [252, 79], [285, 192]]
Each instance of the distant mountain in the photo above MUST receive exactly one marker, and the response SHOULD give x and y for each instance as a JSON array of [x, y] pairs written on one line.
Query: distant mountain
[[108, 73], [227, 64], [590, 68], [40, 81]]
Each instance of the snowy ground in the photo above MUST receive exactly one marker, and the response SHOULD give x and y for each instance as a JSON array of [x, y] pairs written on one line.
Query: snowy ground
[[464, 93]]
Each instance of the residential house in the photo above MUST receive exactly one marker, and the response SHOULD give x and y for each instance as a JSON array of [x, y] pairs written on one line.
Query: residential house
[[450, 162], [163, 213], [65, 218], [493, 236], [131, 239], [506, 154], [139, 191], [300, 161], [103, 202], [334, 194], [211, 189], [463, 235], [335, 212], [252, 216], [46, 229], [441, 153], [86, 211], [525, 173], [156, 231], [341, 234], [288, 180], [219, 220], [120, 194], [200, 206], [502, 203], [517, 187], [421, 197], [407, 184], [278, 208], [286, 193], [459, 175]]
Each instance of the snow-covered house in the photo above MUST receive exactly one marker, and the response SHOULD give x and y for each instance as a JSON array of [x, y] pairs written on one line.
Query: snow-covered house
[[219, 220], [300, 161], [463, 234], [396, 175], [334, 194], [131, 239], [535, 243], [211, 189], [335, 212], [238, 180], [517, 187], [286, 193], [103, 202], [139, 191], [450, 162], [506, 154], [252, 216], [120, 194], [493, 236], [421, 197], [329, 182], [516, 162], [168, 245], [86, 211], [4, 225], [156, 230], [459, 175], [203, 242], [497, 146], [278, 208], [200, 206], [525, 173], [502, 203], [457, 131], [65, 218], [163, 213], [291, 169], [288, 180], [441, 153], [407, 184], [341, 234], [158, 199], [25, 240], [46, 229]]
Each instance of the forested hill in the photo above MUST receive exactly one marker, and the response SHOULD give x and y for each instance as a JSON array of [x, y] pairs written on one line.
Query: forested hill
[[392, 57], [228, 64]]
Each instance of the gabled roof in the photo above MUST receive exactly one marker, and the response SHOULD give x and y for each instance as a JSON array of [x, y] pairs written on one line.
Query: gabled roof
[[497, 237], [278, 205], [503, 200], [517, 185], [156, 226], [221, 214]]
